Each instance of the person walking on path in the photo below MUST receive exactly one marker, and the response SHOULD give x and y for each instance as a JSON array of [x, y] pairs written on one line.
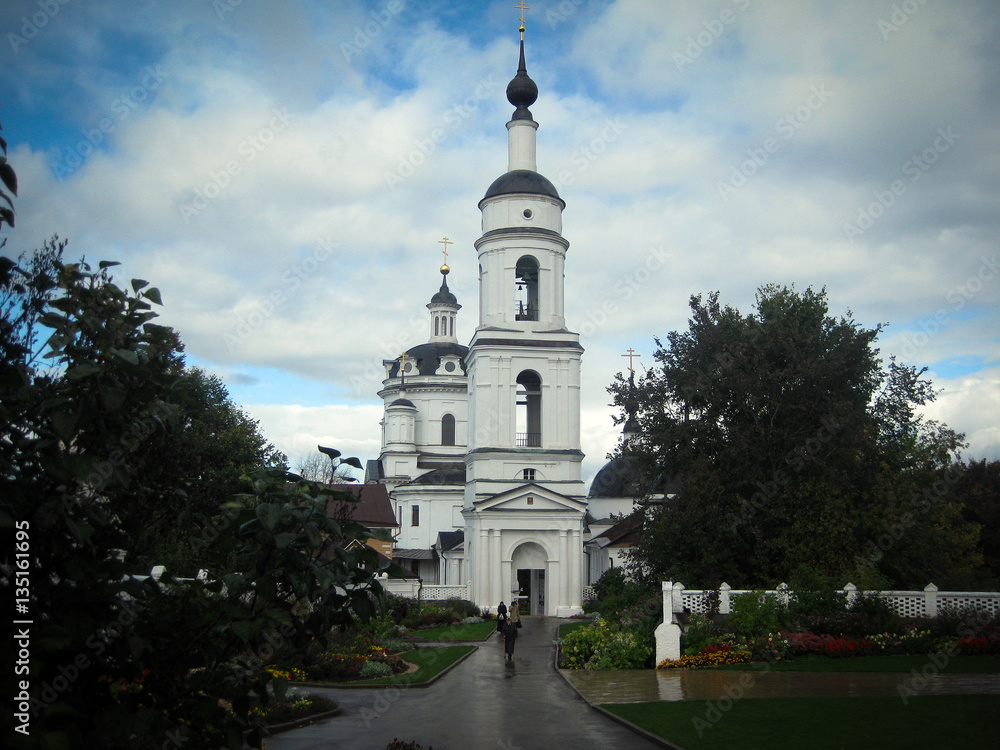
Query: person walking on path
[[509, 637], [515, 614], [501, 617]]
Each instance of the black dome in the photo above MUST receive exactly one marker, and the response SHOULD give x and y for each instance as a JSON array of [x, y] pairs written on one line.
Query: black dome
[[618, 478], [444, 295], [403, 402], [522, 91], [521, 181], [428, 357]]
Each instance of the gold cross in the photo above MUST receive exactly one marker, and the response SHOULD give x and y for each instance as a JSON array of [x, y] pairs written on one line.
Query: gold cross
[[445, 242], [402, 361], [522, 7], [631, 355]]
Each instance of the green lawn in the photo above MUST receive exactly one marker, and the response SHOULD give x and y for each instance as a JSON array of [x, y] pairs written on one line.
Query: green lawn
[[958, 721], [953, 665], [478, 631], [429, 661]]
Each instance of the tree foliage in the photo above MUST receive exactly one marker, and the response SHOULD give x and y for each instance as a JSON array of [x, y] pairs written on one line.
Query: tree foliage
[[92, 392], [800, 450]]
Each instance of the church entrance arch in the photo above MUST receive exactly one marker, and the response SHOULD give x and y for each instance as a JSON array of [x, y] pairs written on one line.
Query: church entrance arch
[[528, 565]]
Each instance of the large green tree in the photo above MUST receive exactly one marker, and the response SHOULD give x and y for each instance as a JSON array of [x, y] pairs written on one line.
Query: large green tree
[[800, 451], [89, 384]]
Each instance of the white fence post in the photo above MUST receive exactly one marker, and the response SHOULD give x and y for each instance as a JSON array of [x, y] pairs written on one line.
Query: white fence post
[[724, 603], [668, 632], [783, 593], [678, 598], [852, 593], [930, 600]]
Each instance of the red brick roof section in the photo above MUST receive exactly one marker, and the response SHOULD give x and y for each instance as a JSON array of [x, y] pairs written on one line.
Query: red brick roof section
[[372, 510]]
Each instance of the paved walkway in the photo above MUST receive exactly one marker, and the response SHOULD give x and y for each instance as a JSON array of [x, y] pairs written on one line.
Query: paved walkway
[[483, 703]]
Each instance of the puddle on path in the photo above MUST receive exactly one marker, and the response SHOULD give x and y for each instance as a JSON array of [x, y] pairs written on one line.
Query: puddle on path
[[640, 686]]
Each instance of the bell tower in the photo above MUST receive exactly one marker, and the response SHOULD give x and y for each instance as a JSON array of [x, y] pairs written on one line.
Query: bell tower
[[524, 386]]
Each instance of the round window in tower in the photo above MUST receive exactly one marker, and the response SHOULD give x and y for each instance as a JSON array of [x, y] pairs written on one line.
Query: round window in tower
[[526, 213], [409, 367], [449, 366]]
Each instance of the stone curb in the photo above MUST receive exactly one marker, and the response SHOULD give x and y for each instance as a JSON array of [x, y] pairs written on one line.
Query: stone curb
[[424, 684], [618, 719], [296, 723]]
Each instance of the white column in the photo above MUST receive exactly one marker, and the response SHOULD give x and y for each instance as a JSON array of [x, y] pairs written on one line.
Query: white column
[[481, 563], [496, 578], [576, 559], [564, 567], [521, 144]]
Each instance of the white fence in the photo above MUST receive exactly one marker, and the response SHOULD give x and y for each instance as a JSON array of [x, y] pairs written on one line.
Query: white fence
[[411, 588], [926, 603]]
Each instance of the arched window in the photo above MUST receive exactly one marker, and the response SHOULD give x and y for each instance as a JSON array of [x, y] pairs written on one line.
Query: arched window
[[526, 289], [437, 323], [529, 410], [448, 429], [452, 326]]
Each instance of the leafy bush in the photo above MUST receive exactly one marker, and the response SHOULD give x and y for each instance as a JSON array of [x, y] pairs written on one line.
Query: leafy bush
[[580, 645], [755, 614], [702, 630], [394, 645], [463, 608], [616, 593], [371, 669], [621, 650]]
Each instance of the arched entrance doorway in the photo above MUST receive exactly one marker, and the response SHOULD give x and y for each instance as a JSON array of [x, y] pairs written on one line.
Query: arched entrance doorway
[[528, 566]]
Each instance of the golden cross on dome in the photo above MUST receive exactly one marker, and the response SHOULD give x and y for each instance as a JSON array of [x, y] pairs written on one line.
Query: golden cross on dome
[[402, 364], [445, 242], [522, 7], [631, 355]]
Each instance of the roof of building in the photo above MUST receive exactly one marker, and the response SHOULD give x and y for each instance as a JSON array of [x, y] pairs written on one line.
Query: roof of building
[[522, 181], [403, 402], [626, 532], [444, 295], [448, 540], [620, 477], [372, 509], [412, 554], [446, 474], [428, 357]]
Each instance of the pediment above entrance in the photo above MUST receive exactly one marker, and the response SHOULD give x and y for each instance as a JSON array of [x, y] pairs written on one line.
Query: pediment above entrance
[[530, 497]]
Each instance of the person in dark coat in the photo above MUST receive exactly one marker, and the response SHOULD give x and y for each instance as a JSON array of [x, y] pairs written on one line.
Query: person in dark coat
[[509, 636], [501, 617]]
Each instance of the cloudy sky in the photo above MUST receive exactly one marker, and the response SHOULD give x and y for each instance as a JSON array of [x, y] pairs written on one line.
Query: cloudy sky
[[283, 173]]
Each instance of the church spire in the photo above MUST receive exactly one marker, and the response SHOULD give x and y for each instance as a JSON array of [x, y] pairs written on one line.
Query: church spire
[[522, 93], [444, 305]]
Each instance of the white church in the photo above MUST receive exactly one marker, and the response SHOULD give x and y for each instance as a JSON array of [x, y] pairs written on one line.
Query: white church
[[481, 443]]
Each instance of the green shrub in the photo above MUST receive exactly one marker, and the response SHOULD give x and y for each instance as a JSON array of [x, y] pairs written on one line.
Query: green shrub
[[702, 631], [371, 669], [621, 650], [755, 614], [580, 645], [463, 608]]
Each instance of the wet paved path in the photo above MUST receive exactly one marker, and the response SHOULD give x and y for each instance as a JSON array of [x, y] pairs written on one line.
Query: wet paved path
[[640, 686], [483, 703]]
